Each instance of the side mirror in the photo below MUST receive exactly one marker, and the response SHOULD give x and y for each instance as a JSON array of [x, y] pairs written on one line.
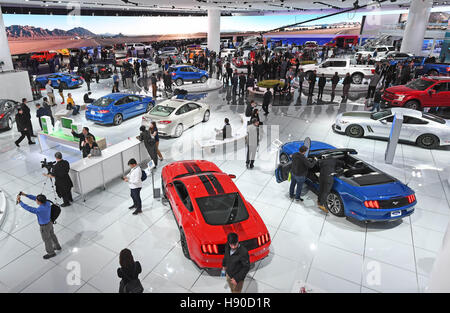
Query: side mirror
[[232, 176], [432, 92], [383, 122]]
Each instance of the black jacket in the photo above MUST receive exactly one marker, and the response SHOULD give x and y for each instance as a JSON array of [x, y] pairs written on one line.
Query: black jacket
[[87, 149], [63, 183], [347, 80], [22, 122], [377, 96], [322, 81], [129, 273], [335, 79], [329, 166], [26, 111], [238, 264], [267, 97], [300, 164], [82, 138]]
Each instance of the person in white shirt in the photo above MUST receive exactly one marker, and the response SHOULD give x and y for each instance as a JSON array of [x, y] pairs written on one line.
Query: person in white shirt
[[50, 94], [134, 180]]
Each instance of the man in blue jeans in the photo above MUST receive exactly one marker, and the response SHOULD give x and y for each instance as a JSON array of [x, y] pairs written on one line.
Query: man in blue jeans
[[299, 170]]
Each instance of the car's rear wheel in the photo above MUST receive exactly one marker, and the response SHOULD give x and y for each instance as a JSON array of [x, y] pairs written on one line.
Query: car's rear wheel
[[412, 104], [178, 130], [357, 78], [334, 204], [206, 116], [184, 245], [284, 158], [433, 73], [179, 82], [428, 141], [118, 119], [354, 130], [203, 79]]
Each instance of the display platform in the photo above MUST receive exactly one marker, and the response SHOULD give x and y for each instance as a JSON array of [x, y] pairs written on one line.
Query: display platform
[[260, 91], [356, 91], [88, 174], [239, 69], [210, 85], [61, 138]]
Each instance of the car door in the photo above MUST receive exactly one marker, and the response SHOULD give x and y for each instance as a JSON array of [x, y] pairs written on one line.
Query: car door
[[135, 105], [412, 127], [196, 112], [383, 127], [182, 201], [184, 116], [438, 95], [123, 106], [325, 68]]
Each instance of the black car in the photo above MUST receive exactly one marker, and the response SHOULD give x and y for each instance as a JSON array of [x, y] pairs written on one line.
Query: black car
[[8, 110], [104, 70]]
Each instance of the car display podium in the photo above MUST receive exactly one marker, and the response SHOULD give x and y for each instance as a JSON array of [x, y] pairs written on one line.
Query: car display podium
[[59, 137], [91, 173]]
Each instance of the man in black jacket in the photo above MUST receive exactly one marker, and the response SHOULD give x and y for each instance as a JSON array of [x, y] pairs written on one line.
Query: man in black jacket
[[27, 113], [312, 83], [327, 168], [299, 171], [266, 101], [23, 127], [334, 81], [82, 136], [42, 111], [63, 183], [236, 263], [322, 83], [242, 84]]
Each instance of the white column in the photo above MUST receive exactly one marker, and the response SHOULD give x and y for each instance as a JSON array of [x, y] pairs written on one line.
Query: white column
[[416, 25], [5, 53], [214, 30]]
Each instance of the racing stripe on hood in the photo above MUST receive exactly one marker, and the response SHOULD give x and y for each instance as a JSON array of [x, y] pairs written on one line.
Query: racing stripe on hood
[[195, 167], [188, 168], [216, 183], [208, 186]]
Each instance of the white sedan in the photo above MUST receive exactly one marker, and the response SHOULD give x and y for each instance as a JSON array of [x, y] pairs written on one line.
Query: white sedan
[[424, 129], [173, 116]]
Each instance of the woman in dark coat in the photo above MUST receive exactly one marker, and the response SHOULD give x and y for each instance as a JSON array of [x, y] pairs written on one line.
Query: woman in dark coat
[[129, 270], [149, 143], [88, 145], [23, 126]]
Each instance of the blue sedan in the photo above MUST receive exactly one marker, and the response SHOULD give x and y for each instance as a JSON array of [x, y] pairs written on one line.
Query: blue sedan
[[360, 190], [182, 73], [116, 107], [67, 80]]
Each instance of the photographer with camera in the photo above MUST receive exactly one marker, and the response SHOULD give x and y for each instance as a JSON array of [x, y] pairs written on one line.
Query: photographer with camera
[[59, 170], [43, 213]]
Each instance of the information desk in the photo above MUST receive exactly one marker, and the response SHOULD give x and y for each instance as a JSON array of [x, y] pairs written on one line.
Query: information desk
[[88, 174], [48, 141]]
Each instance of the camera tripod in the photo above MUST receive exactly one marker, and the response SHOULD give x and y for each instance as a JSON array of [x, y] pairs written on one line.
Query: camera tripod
[[53, 188]]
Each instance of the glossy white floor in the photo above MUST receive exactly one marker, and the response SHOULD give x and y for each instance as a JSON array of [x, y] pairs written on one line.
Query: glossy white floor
[[328, 253]]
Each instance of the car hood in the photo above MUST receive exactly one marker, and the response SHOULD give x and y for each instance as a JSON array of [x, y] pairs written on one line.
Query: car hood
[[384, 191], [309, 67], [399, 89]]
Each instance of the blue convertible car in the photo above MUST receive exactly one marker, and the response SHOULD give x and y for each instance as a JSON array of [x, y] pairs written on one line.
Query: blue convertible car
[[116, 107], [67, 80], [182, 73], [360, 190]]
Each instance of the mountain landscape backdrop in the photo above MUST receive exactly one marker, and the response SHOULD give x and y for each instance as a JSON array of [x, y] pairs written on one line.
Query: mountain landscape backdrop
[[19, 31]]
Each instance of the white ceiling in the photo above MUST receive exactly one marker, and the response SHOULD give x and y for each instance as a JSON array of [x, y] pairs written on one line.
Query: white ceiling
[[250, 7]]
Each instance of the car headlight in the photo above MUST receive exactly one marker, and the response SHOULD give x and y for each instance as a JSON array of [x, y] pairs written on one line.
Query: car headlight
[[343, 122], [400, 97]]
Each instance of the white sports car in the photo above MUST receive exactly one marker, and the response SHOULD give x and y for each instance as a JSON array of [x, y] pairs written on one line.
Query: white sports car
[[426, 130], [174, 116]]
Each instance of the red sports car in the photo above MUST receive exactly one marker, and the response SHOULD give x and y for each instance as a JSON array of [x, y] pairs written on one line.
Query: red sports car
[[241, 62], [208, 206]]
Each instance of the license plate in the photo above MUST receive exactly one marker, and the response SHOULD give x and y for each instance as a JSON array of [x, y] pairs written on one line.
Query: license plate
[[396, 213], [93, 112]]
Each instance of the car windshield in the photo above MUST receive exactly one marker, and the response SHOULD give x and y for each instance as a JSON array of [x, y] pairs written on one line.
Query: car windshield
[[223, 209], [171, 69], [381, 114], [370, 49], [161, 110], [420, 84], [103, 102]]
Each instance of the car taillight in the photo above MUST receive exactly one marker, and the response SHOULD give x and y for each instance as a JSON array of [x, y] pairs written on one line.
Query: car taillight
[[103, 69], [373, 71], [2, 115], [448, 69], [210, 249], [74, 80], [173, 73], [372, 204], [164, 122], [263, 239], [411, 198], [103, 111]]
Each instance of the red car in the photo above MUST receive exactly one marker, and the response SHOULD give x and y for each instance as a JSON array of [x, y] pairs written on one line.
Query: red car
[[241, 62], [208, 206], [419, 93], [43, 56]]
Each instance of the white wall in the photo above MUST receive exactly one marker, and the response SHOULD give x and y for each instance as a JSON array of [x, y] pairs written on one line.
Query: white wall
[[15, 85]]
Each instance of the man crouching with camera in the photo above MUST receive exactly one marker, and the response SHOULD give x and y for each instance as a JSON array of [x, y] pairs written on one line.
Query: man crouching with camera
[[60, 172], [43, 213]]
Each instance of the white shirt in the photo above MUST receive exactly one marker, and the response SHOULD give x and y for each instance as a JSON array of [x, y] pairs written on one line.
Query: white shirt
[[134, 178], [48, 88]]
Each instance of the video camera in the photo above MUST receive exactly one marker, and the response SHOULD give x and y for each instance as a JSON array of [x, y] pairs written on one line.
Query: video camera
[[47, 165]]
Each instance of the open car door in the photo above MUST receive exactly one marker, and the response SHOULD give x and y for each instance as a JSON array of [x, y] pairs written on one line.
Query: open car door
[[307, 144]]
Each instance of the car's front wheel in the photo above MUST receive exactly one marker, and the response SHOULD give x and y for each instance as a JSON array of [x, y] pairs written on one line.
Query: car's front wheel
[[428, 141], [184, 245], [203, 79], [412, 104], [10, 123], [335, 205], [118, 119], [179, 82], [357, 78], [206, 116], [354, 131], [284, 158]]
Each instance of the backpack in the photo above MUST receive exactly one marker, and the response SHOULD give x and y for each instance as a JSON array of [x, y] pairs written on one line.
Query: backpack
[[143, 176], [55, 211]]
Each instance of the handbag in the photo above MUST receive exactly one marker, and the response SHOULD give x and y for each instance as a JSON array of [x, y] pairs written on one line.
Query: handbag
[[96, 151]]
